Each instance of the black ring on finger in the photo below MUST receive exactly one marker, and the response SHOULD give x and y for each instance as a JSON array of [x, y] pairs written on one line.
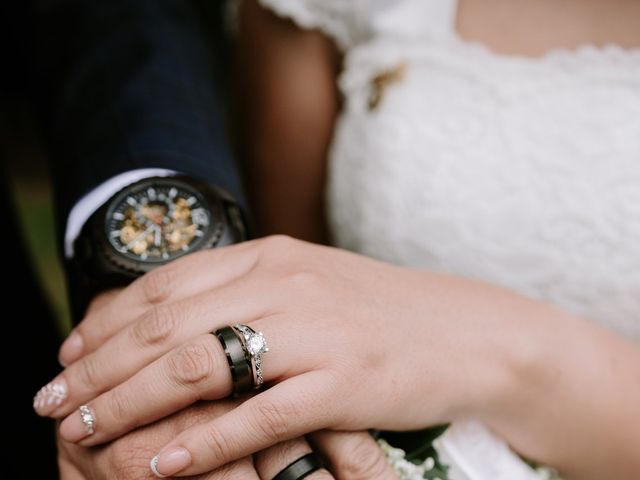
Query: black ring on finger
[[237, 359], [300, 468]]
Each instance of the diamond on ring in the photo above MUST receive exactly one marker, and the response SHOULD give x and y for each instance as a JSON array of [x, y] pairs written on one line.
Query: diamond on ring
[[88, 418], [256, 345]]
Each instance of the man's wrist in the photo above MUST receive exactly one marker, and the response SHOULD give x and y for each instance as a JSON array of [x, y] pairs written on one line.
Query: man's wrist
[[96, 198], [146, 224]]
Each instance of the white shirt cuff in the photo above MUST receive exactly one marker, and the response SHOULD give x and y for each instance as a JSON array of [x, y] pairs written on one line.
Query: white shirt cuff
[[97, 197]]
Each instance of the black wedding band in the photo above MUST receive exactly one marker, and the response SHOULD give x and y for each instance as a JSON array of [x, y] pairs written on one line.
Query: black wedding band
[[300, 468], [236, 357]]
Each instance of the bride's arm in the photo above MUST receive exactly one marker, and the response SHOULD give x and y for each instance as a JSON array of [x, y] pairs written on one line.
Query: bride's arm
[[574, 400], [576, 397], [357, 343], [286, 106]]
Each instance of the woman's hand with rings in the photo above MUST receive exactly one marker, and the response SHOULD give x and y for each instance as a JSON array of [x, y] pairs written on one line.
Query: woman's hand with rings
[[355, 344], [349, 455]]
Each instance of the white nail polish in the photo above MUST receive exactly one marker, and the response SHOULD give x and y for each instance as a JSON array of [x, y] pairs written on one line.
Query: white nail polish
[[154, 467], [51, 394]]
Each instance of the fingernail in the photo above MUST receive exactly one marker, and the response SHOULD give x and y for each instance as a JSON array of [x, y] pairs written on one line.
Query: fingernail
[[78, 425], [71, 349], [170, 462], [50, 397]]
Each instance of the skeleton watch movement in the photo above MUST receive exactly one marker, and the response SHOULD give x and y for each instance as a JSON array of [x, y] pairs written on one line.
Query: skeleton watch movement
[[147, 224]]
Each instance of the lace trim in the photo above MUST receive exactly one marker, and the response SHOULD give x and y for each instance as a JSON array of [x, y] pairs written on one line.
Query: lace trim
[[585, 55], [336, 18], [503, 74]]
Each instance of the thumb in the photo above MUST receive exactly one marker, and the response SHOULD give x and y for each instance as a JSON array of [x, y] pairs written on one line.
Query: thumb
[[352, 455]]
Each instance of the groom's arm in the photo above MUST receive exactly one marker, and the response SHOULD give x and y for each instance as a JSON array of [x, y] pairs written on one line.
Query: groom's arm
[[126, 85], [124, 88]]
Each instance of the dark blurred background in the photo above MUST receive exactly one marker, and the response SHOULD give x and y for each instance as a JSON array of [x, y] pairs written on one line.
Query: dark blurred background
[[30, 188], [21, 148], [34, 308]]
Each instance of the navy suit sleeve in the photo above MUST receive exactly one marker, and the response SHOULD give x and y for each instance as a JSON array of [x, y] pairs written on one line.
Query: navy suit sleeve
[[128, 84]]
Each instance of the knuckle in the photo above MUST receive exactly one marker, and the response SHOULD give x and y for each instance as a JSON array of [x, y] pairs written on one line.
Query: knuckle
[[100, 301], [129, 461], [273, 420], [234, 471], [304, 280], [285, 452], [225, 472], [280, 253], [276, 244], [88, 373], [278, 240], [217, 443], [90, 331], [157, 285], [192, 363], [118, 407], [156, 327], [321, 474], [94, 329], [361, 461], [128, 471]]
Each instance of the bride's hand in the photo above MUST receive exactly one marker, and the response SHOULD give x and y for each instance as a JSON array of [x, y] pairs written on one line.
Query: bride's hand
[[354, 343]]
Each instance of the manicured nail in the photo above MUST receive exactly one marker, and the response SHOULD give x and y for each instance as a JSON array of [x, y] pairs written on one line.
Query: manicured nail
[[71, 349], [78, 425], [170, 462], [50, 397]]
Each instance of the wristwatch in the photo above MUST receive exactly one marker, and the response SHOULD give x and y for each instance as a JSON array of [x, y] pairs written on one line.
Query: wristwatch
[[145, 225]]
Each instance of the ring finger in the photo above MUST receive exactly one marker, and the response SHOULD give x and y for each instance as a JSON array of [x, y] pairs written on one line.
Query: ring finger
[[242, 468], [151, 336], [274, 460], [181, 279], [266, 464], [196, 370]]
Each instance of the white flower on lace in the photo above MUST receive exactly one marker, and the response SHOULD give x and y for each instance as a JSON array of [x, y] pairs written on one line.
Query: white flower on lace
[[405, 469]]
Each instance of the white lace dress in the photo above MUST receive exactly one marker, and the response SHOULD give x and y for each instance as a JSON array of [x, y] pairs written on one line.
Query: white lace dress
[[523, 172]]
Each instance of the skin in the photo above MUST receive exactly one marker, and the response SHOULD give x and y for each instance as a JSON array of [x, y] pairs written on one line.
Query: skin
[[559, 389], [289, 119], [479, 351], [128, 457], [512, 27], [348, 455]]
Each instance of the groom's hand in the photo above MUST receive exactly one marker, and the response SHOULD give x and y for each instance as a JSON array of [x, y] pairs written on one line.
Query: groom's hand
[[349, 456], [128, 457]]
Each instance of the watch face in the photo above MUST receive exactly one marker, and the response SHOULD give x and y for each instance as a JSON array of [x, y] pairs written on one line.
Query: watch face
[[156, 221]]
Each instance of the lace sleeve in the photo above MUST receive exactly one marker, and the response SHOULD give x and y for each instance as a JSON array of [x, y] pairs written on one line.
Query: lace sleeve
[[338, 19], [473, 452]]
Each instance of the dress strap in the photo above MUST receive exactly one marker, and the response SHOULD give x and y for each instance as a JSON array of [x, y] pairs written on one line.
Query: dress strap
[[341, 20], [432, 19], [443, 17]]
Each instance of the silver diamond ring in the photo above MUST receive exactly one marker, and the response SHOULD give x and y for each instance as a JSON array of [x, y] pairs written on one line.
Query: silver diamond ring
[[88, 418], [256, 345]]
